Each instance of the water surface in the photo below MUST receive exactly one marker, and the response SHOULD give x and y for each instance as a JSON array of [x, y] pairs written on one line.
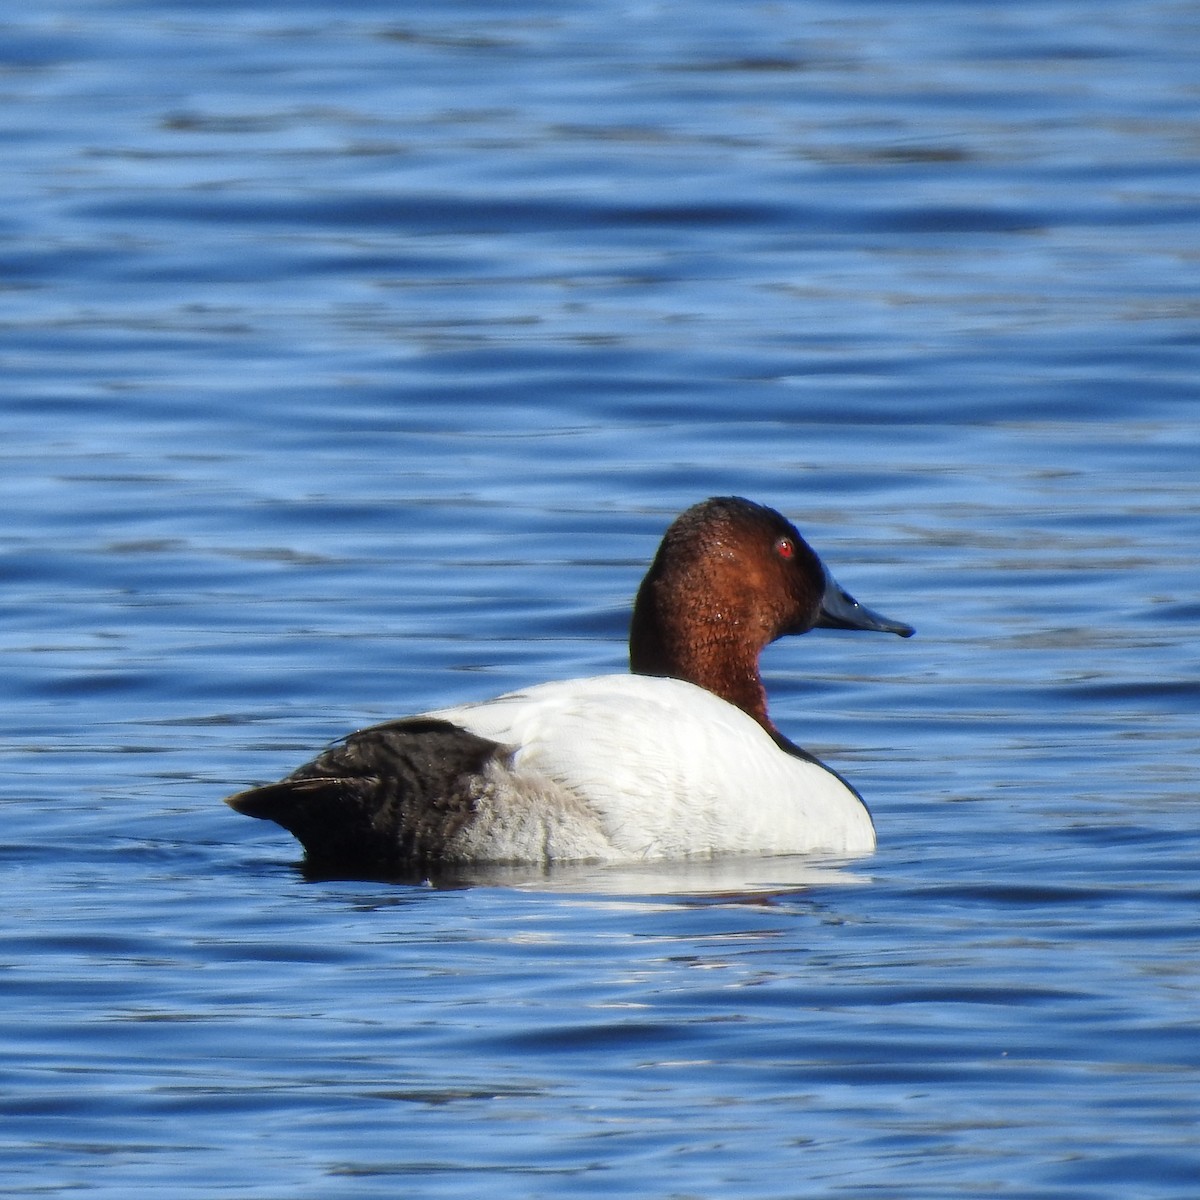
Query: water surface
[[355, 358]]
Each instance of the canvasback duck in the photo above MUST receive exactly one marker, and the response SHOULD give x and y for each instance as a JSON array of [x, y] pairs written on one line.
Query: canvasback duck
[[678, 759]]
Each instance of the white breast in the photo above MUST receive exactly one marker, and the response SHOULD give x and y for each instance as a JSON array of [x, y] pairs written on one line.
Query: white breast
[[671, 770]]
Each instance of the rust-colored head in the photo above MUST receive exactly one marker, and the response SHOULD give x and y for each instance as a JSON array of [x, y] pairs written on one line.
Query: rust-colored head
[[729, 578]]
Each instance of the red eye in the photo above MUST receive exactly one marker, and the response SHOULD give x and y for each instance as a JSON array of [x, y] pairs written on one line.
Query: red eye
[[785, 548]]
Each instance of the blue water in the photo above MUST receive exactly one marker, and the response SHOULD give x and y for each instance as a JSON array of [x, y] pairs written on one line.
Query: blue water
[[353, 358]]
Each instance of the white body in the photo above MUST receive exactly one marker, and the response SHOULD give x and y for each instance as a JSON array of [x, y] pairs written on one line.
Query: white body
[[630, 767]]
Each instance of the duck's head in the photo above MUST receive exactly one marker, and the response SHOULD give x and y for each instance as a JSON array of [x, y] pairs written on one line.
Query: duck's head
[[731, 576]]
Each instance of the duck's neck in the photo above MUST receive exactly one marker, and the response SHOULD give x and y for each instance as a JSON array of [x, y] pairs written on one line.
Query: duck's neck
[[713, 656]]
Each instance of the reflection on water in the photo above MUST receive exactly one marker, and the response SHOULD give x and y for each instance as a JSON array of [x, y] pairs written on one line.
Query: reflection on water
[[726, 878]]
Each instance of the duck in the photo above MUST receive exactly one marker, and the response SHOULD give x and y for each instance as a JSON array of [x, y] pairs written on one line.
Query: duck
[[678, 759]]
